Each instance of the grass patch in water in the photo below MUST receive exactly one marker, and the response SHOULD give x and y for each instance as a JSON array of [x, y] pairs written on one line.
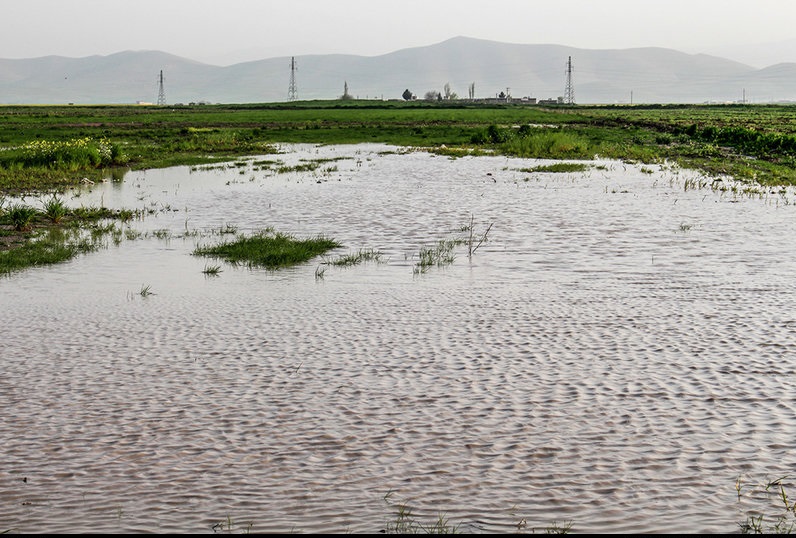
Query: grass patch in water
[[558, 168], [440, 255], [54, 246], [356, 258], [767, 506], [269, 249], [212, 270], [30, 237]]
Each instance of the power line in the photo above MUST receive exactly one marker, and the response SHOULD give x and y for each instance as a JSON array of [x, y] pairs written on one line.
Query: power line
[[292, 91]]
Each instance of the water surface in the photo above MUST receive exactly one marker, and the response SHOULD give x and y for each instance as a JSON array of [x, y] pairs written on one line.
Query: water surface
[[615, 355]]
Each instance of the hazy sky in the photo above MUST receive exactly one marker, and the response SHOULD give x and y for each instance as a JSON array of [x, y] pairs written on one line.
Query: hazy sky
[[229, 31]]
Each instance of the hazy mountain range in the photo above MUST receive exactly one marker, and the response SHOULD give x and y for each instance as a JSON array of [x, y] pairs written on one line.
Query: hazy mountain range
[[639, 75]]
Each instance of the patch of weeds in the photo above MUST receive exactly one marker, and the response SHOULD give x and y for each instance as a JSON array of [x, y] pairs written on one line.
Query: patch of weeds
[[305, 167], [405, 522], [55, 209], [558, 168], [212, 270], [775, 513], [356, 258], [229, 526], [54, 246], [475, 241], [21, 216], [269, 249], [320, 272], [146, 291], [440, 255], [162, 233], [555, 528]]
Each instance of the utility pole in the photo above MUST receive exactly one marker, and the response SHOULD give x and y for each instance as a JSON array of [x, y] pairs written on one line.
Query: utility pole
[[292, 91], [161, 91], [569, 90]]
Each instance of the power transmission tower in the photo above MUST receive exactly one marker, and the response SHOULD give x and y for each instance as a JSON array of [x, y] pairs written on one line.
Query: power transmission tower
[[292, 91], [161, 91], [569, 90]]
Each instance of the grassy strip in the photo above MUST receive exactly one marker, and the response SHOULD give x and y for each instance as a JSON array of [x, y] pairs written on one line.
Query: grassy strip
[[269, 249], [49, 147]]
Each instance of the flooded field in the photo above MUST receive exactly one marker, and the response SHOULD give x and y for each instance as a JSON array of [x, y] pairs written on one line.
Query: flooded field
[[615, 355]]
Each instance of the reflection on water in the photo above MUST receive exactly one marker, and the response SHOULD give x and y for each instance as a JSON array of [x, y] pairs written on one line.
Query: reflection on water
[[616, 354]]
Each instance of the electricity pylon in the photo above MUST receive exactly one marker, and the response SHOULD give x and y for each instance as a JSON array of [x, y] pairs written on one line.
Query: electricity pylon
[[161, 91], [292, 91], [569, 90]]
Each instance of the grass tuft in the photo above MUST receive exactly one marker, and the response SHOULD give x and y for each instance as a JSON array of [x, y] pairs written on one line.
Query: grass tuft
[[356, 258], [146, 291], [55, 209], [268, 249], [212, 270]]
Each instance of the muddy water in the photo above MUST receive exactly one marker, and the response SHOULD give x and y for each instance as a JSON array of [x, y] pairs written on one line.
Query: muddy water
[[615, 355]]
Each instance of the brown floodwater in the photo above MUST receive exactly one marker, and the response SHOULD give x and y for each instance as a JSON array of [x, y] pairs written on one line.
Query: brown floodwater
[[617, 353]]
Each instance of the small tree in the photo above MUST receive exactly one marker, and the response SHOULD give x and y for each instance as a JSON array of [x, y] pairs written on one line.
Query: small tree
[[448, 93], [407, 95], [432, 95]]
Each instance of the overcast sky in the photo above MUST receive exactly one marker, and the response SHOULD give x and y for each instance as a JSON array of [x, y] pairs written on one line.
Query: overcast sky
[[222, 32]]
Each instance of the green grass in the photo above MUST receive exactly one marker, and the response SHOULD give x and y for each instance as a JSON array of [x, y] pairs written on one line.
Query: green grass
[[356, 258], [146, 291], [268, 249], [51, 247], [30, 237], [50, 147], [55, 209], [21, 216], [212, 270], [558, 168], [441, 254]]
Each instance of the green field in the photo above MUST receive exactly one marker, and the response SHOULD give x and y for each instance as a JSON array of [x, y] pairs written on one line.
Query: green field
[[45, 148]]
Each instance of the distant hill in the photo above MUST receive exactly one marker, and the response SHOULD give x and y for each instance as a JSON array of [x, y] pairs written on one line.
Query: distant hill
[[645, 75]]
